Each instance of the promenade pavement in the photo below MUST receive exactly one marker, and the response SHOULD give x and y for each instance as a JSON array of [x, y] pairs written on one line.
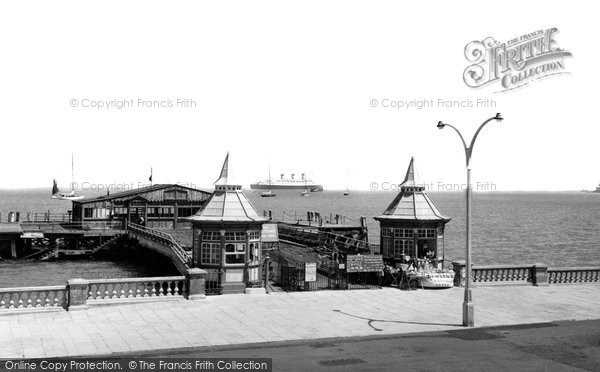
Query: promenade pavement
[[243, 319]]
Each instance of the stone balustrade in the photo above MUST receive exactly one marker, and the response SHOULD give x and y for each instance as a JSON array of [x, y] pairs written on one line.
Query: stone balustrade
[[136, 288], [498, 274], [54, 297], [82, 293], [535, 274], [572, 275]]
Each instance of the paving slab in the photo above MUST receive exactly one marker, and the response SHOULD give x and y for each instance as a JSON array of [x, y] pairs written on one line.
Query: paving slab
[[281, 316]]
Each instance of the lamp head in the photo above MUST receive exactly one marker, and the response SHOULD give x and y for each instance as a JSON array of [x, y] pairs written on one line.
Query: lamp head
[[499, 117], [440, 125]]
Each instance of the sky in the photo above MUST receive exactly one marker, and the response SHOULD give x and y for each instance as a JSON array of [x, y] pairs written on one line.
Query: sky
[[290, 86]]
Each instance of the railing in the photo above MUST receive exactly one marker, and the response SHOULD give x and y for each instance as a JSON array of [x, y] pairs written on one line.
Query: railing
[[33, 297], [162, 238], [102, 290], [506, 275], [316, 237], [79, 293], [214, 281], [45, 217], [568, 275], [536, 274], [57, 227], [315, 217]]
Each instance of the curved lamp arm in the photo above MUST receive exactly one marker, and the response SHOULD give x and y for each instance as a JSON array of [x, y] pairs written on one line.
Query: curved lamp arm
[[470, 149], [467, 154]]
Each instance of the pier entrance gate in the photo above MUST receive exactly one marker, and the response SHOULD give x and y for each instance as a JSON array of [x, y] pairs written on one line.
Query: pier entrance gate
[[326, 275]]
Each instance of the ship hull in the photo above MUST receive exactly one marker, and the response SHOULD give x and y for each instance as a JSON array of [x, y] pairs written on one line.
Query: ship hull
[[260, 186]]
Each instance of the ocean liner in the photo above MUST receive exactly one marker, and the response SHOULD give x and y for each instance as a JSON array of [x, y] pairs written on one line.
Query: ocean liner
[[291, 183]]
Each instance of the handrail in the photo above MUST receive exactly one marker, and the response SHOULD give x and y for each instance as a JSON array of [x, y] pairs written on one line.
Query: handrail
[[498, 267], [324, 235], [171, 242], [573, 268], [131, 280], [29, 289], [55, 226], [296, 214]]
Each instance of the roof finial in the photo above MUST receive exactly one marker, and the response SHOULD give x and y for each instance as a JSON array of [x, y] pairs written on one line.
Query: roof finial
[[409, 179], [410, 184], [222, 180]]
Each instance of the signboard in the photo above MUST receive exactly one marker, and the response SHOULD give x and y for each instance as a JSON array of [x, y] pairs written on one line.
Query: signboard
[[310, 272], [367, 263], [269, 233], [32, 235]]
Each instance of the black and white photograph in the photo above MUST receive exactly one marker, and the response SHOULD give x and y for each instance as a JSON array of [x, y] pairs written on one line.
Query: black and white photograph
[[299, 186]]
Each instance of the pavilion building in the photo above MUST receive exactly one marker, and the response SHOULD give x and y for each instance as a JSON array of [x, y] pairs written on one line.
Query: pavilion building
[[227, 236], [411, 226]]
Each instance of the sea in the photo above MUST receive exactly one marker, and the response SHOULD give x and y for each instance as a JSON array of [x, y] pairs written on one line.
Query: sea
[[560, 229]]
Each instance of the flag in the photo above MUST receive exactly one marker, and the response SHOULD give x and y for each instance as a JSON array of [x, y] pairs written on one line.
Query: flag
[[150, 178]]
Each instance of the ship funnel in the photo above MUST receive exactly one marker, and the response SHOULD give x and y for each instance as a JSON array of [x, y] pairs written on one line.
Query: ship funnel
[[293, 175], [281, 176], [303, 176]]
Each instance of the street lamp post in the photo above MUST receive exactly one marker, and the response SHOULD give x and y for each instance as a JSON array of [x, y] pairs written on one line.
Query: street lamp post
[[468, 307]]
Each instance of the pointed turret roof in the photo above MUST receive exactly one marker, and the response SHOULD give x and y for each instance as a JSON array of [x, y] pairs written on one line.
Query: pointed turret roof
[[224, 172], [412, 203], [228, 203]]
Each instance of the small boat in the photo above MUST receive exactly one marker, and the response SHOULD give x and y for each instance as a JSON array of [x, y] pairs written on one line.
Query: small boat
[[267, 194], [347, 192], [56, 194], [306, 191]]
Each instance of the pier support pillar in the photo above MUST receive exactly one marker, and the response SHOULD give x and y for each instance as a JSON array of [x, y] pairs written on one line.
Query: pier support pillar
[[196, 284], [540, 275], [460, 272], [78, 292], [175, 215], [13, 248]]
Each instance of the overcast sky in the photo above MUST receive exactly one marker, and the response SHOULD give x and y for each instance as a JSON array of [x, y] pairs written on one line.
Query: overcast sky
[[287, 85]]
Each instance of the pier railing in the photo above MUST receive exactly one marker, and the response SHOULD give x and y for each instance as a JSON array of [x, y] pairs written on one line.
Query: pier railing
[[316, 237], [82, 293], [58, 227], [534, 274], [47, 217], [162, 238], [312, 217]]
